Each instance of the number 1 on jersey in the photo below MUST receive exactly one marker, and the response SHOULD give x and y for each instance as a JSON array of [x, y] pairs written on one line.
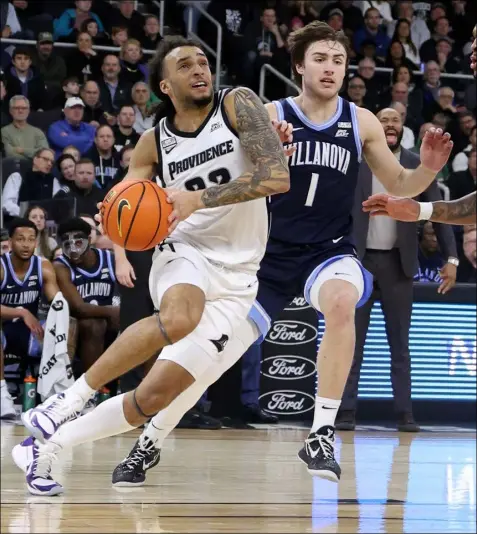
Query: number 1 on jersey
[[312, 191]]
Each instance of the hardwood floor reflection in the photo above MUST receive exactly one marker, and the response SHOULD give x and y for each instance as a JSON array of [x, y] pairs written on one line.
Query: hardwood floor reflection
[[251, 481]]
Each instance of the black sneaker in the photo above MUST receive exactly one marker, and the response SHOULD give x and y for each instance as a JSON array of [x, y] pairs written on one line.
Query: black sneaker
[[319, 454], [346, 420], [132, 470], [196, 419]]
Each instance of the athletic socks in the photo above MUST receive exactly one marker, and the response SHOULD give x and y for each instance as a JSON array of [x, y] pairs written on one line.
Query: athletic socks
[[80, 389], [325, 413]]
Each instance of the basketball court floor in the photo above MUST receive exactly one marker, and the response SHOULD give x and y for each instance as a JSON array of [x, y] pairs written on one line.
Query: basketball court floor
[[228, 481]]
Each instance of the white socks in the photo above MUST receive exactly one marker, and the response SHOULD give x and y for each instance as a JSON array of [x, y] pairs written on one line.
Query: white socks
[[105, 420], [81, 389], [325, 413]]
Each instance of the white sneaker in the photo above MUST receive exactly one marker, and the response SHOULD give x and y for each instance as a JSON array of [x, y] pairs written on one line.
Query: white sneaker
[[38, 476], [23, 454], [7, 406]]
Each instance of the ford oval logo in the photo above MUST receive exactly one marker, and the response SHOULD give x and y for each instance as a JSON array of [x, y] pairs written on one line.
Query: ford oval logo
[[287, 402], [298, 303], [287, 367], [291, 333]]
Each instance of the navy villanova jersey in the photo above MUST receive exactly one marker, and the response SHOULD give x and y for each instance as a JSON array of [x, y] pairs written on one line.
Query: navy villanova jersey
[[24, 293], [96, 285], [323, 177]]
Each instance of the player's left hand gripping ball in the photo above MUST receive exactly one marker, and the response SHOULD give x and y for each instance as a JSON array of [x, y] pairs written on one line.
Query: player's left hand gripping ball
[[435, 149]]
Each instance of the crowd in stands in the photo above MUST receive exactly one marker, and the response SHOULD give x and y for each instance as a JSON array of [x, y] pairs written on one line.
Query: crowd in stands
[[70, 116]]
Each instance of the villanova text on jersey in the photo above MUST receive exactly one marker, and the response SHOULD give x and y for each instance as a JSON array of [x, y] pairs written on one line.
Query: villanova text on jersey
[[96, 285], [323, 177], [25, 293]]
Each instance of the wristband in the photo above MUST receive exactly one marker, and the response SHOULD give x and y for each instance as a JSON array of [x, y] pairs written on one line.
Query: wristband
[[425, 211]]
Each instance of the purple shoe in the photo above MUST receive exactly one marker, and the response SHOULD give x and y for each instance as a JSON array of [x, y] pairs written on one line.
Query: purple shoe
[[44, 420], [38, 477], [24, 453]]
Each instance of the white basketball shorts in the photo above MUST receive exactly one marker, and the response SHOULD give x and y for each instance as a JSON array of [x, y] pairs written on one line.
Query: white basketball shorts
[[229, 297]]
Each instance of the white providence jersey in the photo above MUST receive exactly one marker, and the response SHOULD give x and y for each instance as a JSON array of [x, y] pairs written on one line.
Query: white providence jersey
[[233, 235]]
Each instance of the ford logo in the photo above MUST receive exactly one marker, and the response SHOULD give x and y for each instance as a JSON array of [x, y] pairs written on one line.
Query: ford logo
[[291, 333], [287, 402], [287, 367], [298, 303]]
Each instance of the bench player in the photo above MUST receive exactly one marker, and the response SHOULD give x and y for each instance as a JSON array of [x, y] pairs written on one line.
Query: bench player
[[221, 156]]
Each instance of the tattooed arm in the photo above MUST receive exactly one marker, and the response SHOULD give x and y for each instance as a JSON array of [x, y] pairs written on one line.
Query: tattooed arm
[[260, 142], [461, 211]]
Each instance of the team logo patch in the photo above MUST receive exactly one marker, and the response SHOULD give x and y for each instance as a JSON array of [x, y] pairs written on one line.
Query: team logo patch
[[344, 125], [215, 126], [341, 133], [169, 144]]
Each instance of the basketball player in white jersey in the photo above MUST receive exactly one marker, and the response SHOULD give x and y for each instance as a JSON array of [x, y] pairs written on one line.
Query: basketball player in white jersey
[[221, 157]]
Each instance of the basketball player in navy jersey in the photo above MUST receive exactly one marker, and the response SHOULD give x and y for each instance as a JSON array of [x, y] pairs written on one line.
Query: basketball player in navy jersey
[[87, 280], [461, 211], [221, 155], [24, 277]]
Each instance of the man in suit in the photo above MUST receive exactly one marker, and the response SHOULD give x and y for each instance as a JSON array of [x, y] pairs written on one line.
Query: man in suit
[[389, 250]]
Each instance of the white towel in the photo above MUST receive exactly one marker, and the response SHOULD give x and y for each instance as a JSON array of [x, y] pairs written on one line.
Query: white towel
[[56, 373]]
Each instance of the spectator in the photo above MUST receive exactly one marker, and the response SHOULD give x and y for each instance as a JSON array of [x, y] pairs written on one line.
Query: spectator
[[367, 71], [90, 26], [428, 49], [71, 130], [461, 131], [443, 104], [124, 159], [352, 16], [72, 151], [431, 82], [125, 15], [93, 111], [119, 35], [382, 6], [408, 139], [373, 32], [22, 79], [45, 244], [419, 30], [4, 110], [87, 279], [430, 257], [464, 182], [104, 157], [444, 57], [36, 184], [462, 21], [368, 50], [20, 139], [143, 119], [4, 241], [84, 190], [461, 161], [124, 133], [10, 25], [404, 74], [69, 23], [49, 64], [400, 93], [402, 33], [83, 61], [66, 164], [114, 91], [335, 19], [132, 70], [151, 37], [357, 92], [70, 88], [396, 56], [438, 10]]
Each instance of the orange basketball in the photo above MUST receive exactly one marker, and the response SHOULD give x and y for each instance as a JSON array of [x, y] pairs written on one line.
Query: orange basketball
[[135, 213]]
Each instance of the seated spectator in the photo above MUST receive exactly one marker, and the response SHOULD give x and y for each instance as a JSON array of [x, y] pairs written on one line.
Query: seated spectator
[[72, 151], [404, 74], [83, 62], [408, 139], [87, 280], [428, 50], [140, 96], [431, 82], [125, 15], [444, 104], [462, 130], [396, 57], [93, 112], [400, 93], [124, 159], [430, 257], [50, 65], [461, 161], [66, 164], [114, 91], [45, 244], [36, 184], [367, 71], [124, 133], [20, 139], [84, 190], [69, 23], [151, 36], [372, 31], [69, 88], [419, 30], [402, 33], [22, 79], [352, 16], [71, 130], [90, 26], [447, 62], [464, 182], [382, 6], [104, 156], [132, 70], [5, 115], [368, 50], [335, 19], [357, 92], [4, 241], [119, 35]]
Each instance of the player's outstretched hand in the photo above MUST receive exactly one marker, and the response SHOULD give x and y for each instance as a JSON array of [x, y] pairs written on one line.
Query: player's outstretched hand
[[401, 209], [435, 149], [98, 218], [184, 203], [285, 133]]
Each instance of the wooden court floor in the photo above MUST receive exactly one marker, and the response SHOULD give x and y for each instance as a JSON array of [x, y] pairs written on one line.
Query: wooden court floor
[[251, 481]]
